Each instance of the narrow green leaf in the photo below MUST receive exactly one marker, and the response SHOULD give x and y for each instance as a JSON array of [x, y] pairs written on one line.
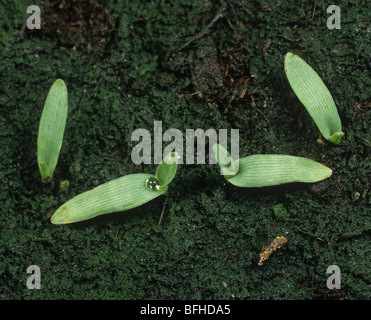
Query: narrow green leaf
[[116, 195], [315, 96], [51, 128], [166, 170], [269, 170]]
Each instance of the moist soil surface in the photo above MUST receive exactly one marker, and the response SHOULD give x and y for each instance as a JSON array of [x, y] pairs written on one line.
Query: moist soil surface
[[192, 65]]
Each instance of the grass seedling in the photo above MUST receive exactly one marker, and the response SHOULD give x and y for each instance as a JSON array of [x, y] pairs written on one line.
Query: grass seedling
[[265, 170], [120, 194], [315, 96], [51, 128]]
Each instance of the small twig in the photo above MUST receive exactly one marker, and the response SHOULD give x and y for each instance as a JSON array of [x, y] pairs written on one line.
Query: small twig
[[314, 10], [162, 214], [209, 26], [267, 45], [341, 189], [309, 234], [21, 32]]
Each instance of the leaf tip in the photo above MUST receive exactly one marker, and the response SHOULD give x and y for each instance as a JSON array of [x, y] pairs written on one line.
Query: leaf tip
[[288, 55], [55, 220], [328, 173], [60, 216], [60, 82]]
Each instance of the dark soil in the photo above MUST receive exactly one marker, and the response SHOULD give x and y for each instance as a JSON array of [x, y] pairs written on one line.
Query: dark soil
[[129, 63]]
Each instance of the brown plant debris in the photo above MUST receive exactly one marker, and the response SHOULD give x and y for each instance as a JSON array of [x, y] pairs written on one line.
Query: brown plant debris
[[276, 244]]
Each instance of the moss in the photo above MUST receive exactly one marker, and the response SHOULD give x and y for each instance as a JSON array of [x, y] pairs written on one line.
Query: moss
[[207, 245]]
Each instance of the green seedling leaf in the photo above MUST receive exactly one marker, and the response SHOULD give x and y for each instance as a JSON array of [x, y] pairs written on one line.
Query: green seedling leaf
[[116, 195], [228, 167], [270, 170], [166, 170], [120, 194], [51, 128], [315, 96]]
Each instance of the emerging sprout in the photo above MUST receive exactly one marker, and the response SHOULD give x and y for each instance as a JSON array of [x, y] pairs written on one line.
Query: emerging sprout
[[120, 194], [315, 96], [51, 128], [166, 170], [264, 170], [228, 167]]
